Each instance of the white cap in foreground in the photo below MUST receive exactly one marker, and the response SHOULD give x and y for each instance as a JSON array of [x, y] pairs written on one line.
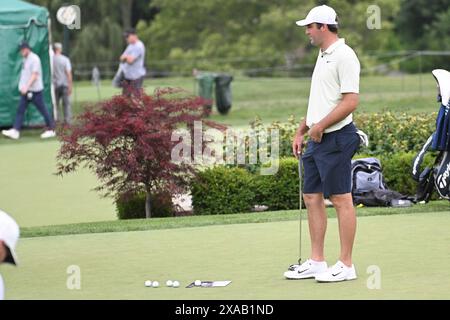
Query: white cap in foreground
[[9, 234]]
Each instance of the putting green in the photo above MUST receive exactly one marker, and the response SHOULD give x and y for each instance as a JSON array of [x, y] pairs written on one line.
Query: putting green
[[410, 250], [34, 196]]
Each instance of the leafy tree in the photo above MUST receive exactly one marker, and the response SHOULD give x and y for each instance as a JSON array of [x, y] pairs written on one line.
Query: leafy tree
[[99, 42], [415, 18], [102, 24], [223, 35], [438, 38], [240, 34], [126, 141]]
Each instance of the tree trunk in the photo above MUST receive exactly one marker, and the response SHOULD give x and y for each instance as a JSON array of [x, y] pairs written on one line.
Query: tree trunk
[[126, 8], [148, 205]]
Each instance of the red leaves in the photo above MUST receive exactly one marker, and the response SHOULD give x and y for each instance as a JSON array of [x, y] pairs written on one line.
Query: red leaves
[[127, 140]]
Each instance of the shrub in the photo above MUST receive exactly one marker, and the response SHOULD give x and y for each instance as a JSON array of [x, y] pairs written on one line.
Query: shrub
[[397, 170], [395, 132], [286, 132], [221, 190], [231, 190], [279, 191], [133, 207], [127, 142], [388, 132]]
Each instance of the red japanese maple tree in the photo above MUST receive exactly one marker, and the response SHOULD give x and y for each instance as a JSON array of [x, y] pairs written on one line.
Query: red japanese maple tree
[[126, 141]]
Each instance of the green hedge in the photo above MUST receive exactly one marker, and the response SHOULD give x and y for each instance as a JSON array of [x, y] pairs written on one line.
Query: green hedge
[[279, 191], [397, 170], [391, 133], [388, 132], [222, 190], [134, 207], [232, 190]]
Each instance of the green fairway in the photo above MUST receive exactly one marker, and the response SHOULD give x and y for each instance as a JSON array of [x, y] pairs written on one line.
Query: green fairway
[[34, 196], [410, 250], [274, 99]]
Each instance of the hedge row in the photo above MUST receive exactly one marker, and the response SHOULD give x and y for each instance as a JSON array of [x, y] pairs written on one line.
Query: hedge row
[[222, 190], [388, 132], [133, 207], [391, 133]]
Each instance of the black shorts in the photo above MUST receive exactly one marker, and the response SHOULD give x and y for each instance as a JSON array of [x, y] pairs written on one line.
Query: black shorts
[[328, 164]]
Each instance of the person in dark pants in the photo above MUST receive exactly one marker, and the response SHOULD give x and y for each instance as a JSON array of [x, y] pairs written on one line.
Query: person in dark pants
[[62, 80], [132, 63], [31, 89], [333, 142]]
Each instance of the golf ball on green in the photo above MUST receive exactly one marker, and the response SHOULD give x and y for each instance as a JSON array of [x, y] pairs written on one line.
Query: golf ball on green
[[155, 284], [169, 283], [175, 284], [148, 283]]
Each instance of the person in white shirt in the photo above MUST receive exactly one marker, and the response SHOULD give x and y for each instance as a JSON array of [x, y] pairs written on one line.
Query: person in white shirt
[[31, 88], [132, 63], [62, 80], [333, 140], [9, 235]]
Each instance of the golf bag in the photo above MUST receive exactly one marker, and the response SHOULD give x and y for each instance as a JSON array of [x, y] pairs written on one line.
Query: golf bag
[[439, 175], [369, 187]]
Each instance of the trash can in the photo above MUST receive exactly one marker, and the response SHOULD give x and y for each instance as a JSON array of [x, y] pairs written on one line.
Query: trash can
[[223, 92], [205, 88]]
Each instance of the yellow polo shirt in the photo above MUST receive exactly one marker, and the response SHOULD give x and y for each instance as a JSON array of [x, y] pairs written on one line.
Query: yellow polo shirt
[[336, 72]]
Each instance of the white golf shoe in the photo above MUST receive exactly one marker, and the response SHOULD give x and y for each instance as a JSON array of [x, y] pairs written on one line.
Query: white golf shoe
[[338, 272], [308, 269], [11, 133], [48, 134]]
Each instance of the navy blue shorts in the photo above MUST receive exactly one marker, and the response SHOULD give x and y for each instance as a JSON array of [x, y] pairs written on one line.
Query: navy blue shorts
[[328, 164]]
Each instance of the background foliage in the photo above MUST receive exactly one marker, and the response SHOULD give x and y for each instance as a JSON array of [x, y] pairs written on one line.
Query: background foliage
[[251, 34]]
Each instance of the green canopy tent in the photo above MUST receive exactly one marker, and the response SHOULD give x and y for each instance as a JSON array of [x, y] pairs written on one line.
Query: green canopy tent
[[20, 21]]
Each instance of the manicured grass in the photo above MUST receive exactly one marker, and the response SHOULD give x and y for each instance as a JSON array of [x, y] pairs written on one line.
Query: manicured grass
[[275, 99], [34, 196], [411, 251], [208, 220]]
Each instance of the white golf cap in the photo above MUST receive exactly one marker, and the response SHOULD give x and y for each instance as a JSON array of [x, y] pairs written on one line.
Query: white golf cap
[[9, 234], [321, 14]]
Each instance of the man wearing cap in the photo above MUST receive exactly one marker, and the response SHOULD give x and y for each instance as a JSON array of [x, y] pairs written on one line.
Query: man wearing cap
[[31, 88], [333, 140], [62, 80], [9, 235], [132, 61]]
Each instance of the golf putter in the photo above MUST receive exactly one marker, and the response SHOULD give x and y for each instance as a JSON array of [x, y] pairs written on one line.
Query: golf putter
[[300, 165]]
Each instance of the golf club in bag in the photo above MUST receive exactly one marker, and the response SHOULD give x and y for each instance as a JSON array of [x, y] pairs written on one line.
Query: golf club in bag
[[439, 175]]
